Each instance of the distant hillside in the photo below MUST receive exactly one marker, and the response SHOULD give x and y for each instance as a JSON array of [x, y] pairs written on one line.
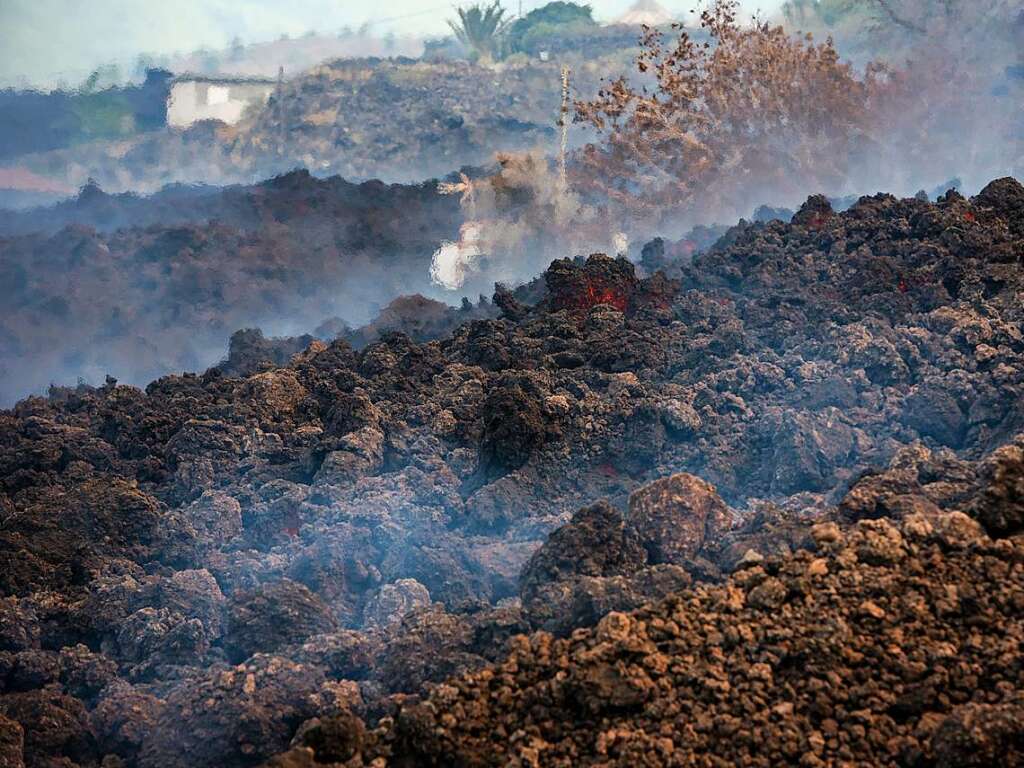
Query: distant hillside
[[399, 120], [404, 119]]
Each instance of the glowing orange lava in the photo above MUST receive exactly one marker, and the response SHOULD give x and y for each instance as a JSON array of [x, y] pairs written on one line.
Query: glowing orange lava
[[596, 295], [590, 294]]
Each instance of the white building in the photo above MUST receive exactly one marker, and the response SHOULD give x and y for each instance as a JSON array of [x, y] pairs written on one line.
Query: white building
[[197, 97]]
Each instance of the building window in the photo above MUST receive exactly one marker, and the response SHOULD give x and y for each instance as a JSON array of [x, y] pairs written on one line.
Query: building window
[[217, 94]]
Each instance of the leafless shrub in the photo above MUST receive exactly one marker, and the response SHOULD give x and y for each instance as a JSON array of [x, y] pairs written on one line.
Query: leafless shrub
[[752, 115]]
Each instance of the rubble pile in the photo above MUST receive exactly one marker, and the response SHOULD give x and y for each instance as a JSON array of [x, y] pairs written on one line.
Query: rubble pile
[[806, 444]]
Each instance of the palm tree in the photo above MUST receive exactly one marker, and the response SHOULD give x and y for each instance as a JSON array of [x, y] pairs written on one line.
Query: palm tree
[[481, 28]]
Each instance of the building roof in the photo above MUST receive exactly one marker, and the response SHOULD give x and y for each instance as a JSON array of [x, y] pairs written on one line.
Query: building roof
[[187, 77], [647, 12]]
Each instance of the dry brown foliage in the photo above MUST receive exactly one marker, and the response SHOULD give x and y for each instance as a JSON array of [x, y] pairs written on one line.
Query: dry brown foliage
[[753, 114]]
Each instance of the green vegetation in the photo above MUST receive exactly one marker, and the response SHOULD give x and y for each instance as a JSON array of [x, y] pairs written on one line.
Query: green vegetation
[[103, 108], [540, 27], [481, 29], [107, 114], [489, 34]]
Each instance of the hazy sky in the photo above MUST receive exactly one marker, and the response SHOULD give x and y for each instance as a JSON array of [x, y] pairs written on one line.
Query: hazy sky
[[45, 41]]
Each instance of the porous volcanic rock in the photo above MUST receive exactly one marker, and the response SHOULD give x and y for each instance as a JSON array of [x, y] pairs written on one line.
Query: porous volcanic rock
[[596, 542], [675, 517], [1000, 507], [394, 601], [922, 666], [273, 616], [12, 743], [819, 423], [231, 716]]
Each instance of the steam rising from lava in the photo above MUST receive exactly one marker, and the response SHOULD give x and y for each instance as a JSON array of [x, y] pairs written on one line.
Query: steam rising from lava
[[453, 261]]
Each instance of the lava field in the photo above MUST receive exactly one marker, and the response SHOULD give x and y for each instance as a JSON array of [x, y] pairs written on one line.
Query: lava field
[[763, 507]]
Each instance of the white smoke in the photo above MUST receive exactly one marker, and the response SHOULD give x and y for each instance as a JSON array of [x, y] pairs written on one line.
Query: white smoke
[[454, 261]]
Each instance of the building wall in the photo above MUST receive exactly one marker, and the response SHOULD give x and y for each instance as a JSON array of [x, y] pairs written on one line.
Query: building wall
[[191, 101]]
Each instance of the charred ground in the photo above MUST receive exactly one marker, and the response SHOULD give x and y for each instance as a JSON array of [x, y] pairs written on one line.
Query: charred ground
[[203, 571]]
